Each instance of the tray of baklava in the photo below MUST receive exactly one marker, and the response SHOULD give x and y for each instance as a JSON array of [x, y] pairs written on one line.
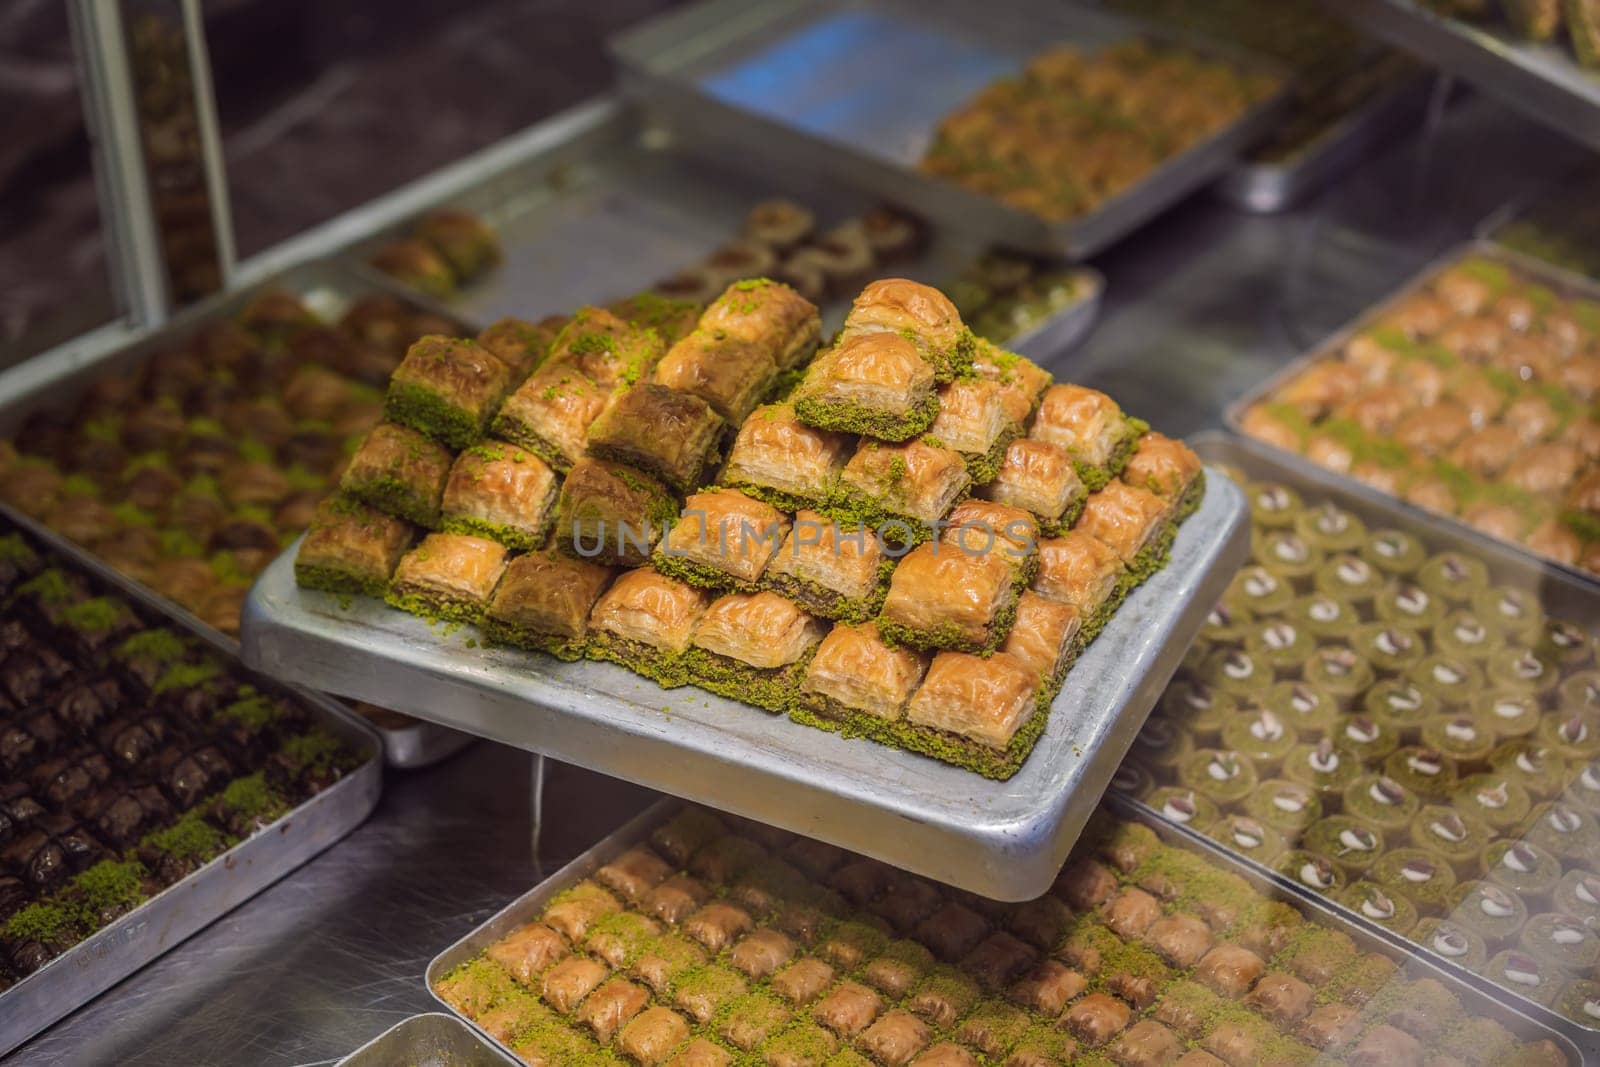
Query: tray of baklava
[[848, 586], [187, 459], [699, 941], [148, 782], [1056, 129], [1470, 394], [601, 204], [1404, 720]]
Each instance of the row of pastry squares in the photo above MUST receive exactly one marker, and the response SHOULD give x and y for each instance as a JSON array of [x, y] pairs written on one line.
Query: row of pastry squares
[[631, 427]]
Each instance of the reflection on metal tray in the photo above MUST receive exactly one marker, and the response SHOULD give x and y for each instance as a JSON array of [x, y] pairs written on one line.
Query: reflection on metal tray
[[855, 89], [103, 959], [419, 743], [432, 1040], [1541, 80], [1561, 595], [1003, 839]]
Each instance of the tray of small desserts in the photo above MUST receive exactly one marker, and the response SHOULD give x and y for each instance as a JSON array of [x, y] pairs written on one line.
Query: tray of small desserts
[[1404, 720], [1056, 129], [431, 1040], [844, 594], [601, 204], [690, 938], [1469, 394], [149, 783], [187, 459]]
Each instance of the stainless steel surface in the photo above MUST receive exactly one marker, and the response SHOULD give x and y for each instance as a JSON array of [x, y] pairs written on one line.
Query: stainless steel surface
[[1543, 81], [1002, 839], [108, 956], [432, 1040], [421, 744], [853, 89]]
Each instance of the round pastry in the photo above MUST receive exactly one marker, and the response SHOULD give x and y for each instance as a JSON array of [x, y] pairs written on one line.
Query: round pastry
[[1308, 710], [1343, 673], [1250, 838], [1578, 894], [1580, 1002], [1286, 806], [1459, 838], [1382, 802], [1409, 604], [1581, 691], [1348, 577], [1389, 648], [1285, 554], [1487, 908], [1465, 636], [1310, 870], [1423, 876], [1574, 736], [1330, 528], [1349, 842], [1273, 505], [1394, 552], [1261, 736], [1453, 576], [1260, 592], [1524, 975], [1460, 737], [1384, 905], [1451, 941], [1541, 770], [1509, 715], [1401, 704], [1183, 806], [1513, 612], [1567, 832], [1424, 771], [1502, 804], [1367, 739], [1161, 745], [1585, 788], [1454, 681], [1279, 644], [1232, 670], [1325, 767], [1519, 669], [1526, 870], [1226, 623], [1221, 774], [1132, 780], [1565, 644], [1198, 708], [1324, 617]]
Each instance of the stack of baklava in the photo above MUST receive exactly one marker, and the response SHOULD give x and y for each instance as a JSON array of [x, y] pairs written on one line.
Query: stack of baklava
[[912, 544]]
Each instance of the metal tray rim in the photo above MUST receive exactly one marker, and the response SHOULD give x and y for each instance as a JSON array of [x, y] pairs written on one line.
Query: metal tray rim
[[481, 1044]]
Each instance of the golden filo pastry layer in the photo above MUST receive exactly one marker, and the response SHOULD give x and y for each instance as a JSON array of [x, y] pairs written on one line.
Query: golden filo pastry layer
[[650, 608]]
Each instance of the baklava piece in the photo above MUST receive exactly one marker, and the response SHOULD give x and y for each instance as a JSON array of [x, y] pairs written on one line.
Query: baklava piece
[[1168, 468], [901, 490], [1134, 523], [985, 701], [605, 350], [499, 491], [1091, 427], [856, 673], [652, 1035], [550, 414], [779, 224], [753, 648], [351, 548], [1082, 571], [922, 315], [1040, 478], [448, 576], [769, 314], [521, 345], [722, 540], [529, 951], [400, 472], [611, 514], [942, 598], [983, 528], [728, 373], [543, 602], [672, 319], [448, 389], [874, 384], [644, 622], [672, 435], [1044, 638], [973, 421], [833, 572], [1022, 382], [465, 241], [777, 458]]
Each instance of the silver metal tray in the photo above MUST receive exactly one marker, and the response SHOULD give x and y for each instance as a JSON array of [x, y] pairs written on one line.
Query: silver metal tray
[[854, 89], [597, 204], [530, 905], [105, 958], [1562, 281], [421, 744], [1002, 839], [1269, 187], [431, 1040], [1543, 81]]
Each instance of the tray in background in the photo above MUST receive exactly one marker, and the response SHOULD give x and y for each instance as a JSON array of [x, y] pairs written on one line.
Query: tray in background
[[431, 1040], [1005, 839], [414, 743], [854, 89]]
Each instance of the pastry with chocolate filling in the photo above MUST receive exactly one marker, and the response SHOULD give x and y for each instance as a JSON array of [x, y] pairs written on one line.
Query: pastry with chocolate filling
[[448, 576]]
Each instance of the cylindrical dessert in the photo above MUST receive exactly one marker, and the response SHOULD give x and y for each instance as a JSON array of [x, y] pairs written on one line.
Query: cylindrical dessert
[[1310, 870], [1406, 603], [1273, 505], [1349, 842], [1581, 691], [1514, 612], [1233, 670], [1401, 704], [1422, 875], [1580, 1001], [1519, 670], [1509, 715], [1425, 771], [1573, 736], [1390, 649], [1501, 803], [1461, 737], [1279, 644], [1285, 554], [1364, 737], [1223, 775], [1452, 941], [1183, 806], [1261, 736], [1197, 707], [1567, 832], [1453, 576], [1394, 552], [1226, 623], [1526, 870], [1250, 838], [1525, 975], [1566, 644], [1459, 838], [1331, 528], [1259, 592], [1539, 768], [1341, 671], [1578, 895], [1347, 576], [1161, 745], [1310, 711], [1494, 913], [1381, 904], [1454, 681], [1561, 941], [1284, 805], [1382, 802], [1324, 766], [1324, 617], [1465, 636]]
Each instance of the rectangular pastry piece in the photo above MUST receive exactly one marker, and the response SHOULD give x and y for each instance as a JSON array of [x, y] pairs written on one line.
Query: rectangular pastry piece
[[543, 602], [499, 491], [670, 318], [1134, 523], [722, 540], [1080, 570], [983, 528], [985, 700], [770, 314], [606, 350], [901, 490], [351, 548], [730, 374], [941, 597], [1091, 427], [400, 472], [448, 388], [1022, 382], [644, 622], [550, 414], [830, 570], [1044, 638], [875, 384], [922, 315], [521, 345], [672, 435], [752, 647], [1167, 468], [855, 672], [777, 458], [448, 576], [1041, 479], [610, 514], [973, 421]]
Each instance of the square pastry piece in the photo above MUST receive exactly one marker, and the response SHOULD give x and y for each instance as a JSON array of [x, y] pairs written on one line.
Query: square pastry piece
[[1039, 478], [1080, 570], [752, 647], [785, 324], [982, 528], [550, 414], [543, 602], [1091, 427], [985, 700], [448, 576], [499, 491], [521, 345], [722, 540], [1044, 638], [876, 384], [902, 490], [350, 548], [644, 622], [672, 435], [973, 421], [1022, 382], [611, 514], [855, 672], [670, 318], [921, 314], [400, 472], [447, 388], [730, 374], [941, 597], [779, 459], [1134, 523], [834, 571], [606, 350], [1167, 468]]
